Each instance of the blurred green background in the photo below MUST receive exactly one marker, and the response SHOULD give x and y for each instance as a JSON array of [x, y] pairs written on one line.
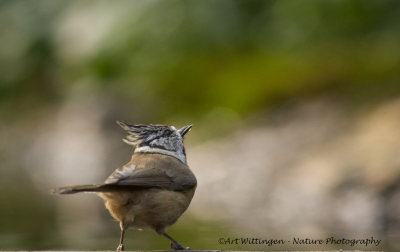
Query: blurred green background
[[295, 106]]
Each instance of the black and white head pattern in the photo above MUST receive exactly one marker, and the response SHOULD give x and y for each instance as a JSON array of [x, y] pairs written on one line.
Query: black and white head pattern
[[159, 139]]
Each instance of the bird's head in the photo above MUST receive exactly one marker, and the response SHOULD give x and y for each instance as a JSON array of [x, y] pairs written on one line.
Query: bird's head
[[159, 139]]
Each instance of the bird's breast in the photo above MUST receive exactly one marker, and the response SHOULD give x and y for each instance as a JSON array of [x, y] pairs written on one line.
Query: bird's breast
[[152, 208]]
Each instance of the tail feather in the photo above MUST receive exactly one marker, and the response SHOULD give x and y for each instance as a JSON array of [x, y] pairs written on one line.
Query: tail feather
[[96, 188], [76, 189]]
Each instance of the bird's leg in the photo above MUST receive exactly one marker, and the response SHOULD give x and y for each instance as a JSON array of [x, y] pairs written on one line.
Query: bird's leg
[[174, 244], [121, 241]]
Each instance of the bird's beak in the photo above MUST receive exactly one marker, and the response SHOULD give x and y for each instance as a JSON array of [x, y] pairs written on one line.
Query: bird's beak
[[185, 129]]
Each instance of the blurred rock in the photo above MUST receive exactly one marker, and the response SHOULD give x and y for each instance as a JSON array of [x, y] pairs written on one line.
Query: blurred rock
[[313, 169]]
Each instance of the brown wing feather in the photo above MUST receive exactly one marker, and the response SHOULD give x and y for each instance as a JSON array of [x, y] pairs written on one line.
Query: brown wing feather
[[167, 174]]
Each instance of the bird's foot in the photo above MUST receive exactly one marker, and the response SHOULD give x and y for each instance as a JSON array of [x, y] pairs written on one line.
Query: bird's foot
[[177, 246], [120, 247]]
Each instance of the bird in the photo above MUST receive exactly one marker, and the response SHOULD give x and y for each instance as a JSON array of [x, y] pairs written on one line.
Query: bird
[[154, 188]]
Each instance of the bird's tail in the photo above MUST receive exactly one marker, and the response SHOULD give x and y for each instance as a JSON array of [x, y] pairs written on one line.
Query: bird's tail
[[79, 188]]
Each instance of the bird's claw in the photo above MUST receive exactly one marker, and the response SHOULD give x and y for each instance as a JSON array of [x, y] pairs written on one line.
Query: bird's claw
[[120, 247], [177, 246]]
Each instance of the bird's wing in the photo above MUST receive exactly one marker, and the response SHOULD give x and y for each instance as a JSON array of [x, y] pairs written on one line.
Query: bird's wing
[[172, 178], [120, 174]]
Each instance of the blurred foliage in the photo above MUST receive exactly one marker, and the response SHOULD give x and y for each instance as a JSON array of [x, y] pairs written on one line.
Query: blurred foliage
[[161, 61], [27, 217], [173, 58]]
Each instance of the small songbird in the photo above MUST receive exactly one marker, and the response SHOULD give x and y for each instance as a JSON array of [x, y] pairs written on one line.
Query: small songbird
[[154, 188]]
